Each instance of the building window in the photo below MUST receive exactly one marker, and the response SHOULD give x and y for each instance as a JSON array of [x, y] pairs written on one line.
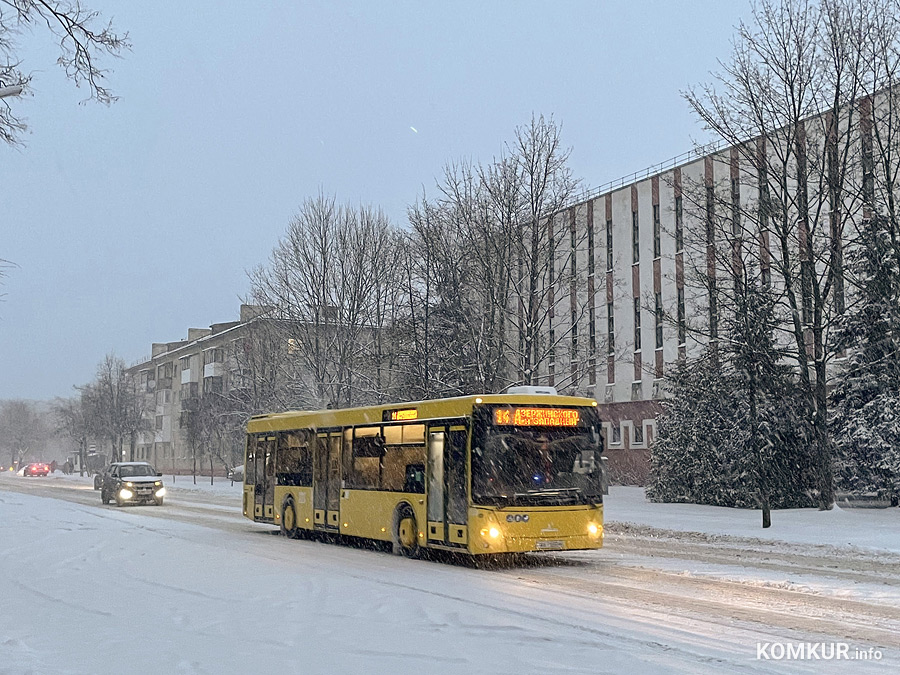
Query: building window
[[609, 246], [159, 422], [635, 238], [616, 434], [611, 329], [735, 207], [679, 225], [185, 363], [638, 433], [212, 385], [637, 324], [657, 252], [681, 325], [213, 356], [590, 233], [659, 321]]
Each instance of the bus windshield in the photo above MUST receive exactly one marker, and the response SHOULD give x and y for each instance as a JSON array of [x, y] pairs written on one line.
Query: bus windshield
[[536, 466]]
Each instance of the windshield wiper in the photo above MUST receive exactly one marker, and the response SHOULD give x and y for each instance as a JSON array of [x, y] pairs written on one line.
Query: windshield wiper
[[550, 491], [554, 496], [496, 500]]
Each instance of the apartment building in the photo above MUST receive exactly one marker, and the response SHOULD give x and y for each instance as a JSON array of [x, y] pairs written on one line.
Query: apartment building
[[179, 372]]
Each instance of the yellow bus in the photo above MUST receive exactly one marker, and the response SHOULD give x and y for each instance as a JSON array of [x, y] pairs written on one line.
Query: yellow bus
[[490, 474]]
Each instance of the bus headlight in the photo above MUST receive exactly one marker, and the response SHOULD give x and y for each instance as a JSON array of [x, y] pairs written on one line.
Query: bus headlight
[[492, 532], [126, 494], [594, 530]]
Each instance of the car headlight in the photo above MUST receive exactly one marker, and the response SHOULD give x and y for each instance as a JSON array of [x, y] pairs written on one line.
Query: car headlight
[[124, 493], [161, 492], [158, 483], [129, 484]]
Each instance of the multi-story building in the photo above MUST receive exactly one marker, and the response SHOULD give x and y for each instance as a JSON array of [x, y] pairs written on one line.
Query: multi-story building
[[179, 373], [648, 250]]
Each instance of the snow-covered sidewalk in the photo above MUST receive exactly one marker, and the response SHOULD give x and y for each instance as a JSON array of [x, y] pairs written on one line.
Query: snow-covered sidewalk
[[854, 527]]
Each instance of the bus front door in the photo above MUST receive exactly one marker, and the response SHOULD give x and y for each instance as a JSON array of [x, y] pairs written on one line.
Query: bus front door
[[447, 495], [327, 481], [264, 491]]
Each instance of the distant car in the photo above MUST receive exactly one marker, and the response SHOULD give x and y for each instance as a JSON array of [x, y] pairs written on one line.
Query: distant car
[[132, 483], [37, 469], [237, 473]]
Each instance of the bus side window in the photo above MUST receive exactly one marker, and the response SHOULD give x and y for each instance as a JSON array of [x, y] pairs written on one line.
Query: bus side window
[[365, 463], [397, 460], [294, 459], [415, 479]]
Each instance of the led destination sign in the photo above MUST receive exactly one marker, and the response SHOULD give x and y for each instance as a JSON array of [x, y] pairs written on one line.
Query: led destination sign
[[399, 415], [536, 417]]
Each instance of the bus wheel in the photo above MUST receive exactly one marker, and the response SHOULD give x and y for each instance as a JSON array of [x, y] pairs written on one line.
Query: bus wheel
[[406, 542], [289, 519]]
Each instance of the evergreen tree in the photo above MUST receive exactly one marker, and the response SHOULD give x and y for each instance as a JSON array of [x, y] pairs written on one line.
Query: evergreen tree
[[735, 432], [865, 421]]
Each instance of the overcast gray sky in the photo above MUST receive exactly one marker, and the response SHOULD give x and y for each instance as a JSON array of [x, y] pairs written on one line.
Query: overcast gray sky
[[130, 223]]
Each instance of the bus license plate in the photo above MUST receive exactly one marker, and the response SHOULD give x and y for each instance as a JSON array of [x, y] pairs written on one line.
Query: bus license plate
[[550, 545]]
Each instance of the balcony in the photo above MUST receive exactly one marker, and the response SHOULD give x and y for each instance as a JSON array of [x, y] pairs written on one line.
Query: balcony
[[214, 370]]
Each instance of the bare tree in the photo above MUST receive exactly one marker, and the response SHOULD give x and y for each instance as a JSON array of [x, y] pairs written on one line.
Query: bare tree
[[82, 39], [496, 262], [458, 284], [22, 430], [543, 252], [118, 405], [76, 421], [326, 283], [262, 367], [789, 104], [207, 422]]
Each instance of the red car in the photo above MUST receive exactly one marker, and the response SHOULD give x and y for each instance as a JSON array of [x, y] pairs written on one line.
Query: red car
[[37, 469]]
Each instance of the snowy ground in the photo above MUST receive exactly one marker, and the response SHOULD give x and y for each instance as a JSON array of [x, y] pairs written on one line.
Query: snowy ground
[[191, 587], [854, 527]]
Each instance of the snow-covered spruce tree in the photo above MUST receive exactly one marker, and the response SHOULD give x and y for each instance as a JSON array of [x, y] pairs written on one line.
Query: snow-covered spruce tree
[[704, 451], [691, 454], [734, 432], [865, 420]]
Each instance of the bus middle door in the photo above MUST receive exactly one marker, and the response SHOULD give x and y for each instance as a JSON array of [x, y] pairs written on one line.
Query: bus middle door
[[327, 481], [447, 495]]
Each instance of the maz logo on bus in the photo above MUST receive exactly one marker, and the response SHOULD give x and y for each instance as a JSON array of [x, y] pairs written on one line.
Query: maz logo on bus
[[536, 417]]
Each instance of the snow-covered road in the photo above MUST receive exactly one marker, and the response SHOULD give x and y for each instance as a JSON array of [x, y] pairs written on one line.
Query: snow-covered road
[[192, 587]]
